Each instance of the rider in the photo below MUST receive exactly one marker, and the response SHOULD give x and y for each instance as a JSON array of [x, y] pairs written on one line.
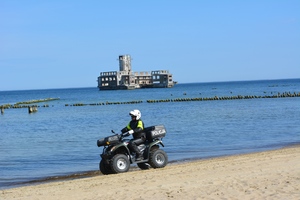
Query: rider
[[135, 127]]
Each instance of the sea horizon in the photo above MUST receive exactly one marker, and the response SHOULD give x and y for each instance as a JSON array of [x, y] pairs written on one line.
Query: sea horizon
[[229, 81]]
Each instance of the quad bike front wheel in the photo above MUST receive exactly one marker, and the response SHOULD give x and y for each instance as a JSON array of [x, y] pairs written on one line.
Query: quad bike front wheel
[[119, 163], [105, 168], [158, 158]]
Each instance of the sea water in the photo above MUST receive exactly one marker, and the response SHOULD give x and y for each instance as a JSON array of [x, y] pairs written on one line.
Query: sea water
[[60, 138]]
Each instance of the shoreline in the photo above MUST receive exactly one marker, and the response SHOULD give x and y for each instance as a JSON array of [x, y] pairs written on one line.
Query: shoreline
[[93, 173], [270, 174]]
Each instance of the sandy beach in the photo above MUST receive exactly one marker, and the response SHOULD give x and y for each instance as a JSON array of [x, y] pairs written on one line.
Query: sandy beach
[[265, 175]]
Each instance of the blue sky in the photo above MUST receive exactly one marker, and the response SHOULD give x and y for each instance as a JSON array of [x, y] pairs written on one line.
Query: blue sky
[[67, 43]]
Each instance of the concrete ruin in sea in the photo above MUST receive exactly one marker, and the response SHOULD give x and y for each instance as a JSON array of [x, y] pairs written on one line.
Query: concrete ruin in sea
[[127, 79]]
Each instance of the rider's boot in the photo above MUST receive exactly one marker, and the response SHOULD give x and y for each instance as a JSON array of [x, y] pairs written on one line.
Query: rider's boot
[[139, 155]]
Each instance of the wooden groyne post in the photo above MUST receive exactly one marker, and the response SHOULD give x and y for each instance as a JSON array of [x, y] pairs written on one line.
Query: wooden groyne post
[[32, 109]]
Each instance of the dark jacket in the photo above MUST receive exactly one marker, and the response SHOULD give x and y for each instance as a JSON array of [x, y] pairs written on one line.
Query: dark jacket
[[137, 126]]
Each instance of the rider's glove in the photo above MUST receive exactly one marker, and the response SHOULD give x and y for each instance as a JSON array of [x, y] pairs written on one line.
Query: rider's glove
[[130, 132]]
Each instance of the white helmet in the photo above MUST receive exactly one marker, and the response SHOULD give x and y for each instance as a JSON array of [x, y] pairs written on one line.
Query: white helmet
[[135, 113]]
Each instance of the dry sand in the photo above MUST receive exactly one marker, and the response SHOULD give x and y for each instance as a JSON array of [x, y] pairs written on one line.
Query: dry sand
[[266, 175]]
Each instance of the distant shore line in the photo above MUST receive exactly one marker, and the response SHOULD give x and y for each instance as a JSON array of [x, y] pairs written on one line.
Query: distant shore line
[[32, 103], [178, 83]]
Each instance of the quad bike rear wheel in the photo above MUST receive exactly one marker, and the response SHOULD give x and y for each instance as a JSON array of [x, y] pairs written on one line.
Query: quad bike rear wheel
[[119, 163], [158, 158]]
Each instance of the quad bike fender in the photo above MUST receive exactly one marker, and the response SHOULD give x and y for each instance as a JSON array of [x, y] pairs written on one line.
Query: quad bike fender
[[154, 144], [122, 147], [157, 142]]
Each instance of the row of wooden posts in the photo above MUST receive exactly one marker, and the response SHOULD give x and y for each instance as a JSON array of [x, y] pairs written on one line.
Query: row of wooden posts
[[26, 104], [33, 108], [283, 95]]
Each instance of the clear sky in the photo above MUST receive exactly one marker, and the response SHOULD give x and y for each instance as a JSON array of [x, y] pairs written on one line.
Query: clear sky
[[67, 43]]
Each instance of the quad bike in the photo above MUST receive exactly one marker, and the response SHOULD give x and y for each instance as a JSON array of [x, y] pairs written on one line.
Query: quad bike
[[117, 157]]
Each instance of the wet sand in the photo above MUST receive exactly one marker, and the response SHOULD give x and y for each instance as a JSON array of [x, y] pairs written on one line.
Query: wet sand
[[265, 175]]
